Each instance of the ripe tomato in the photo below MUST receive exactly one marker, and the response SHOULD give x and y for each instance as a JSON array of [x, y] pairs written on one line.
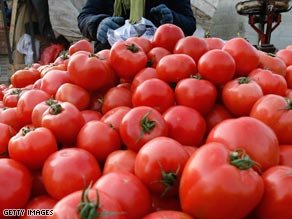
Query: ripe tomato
[[80, 45], [99, 138], [239, 95], [275, 112], [175, 67], [128, 190], [192, 46], [197, 93], [255, 137], [6, 132], [277, 196], [62, 59], [69, 170], [216, 181], [272, 62], [169, 214], [24, 77], [217, 66], [154, 93], [214, 42], [15, 184], [88, 204], [159, 165], [285, 55], [288, 76], [127, 59], [90, 115], [285, 155], [155, 54], [9, 116], [143, 75], [39, 109], [185, 124], [166, 36], [73, 93], [241, 50], [11, 96], [270, 82], [141, 124], [143, 42], [38, 187]]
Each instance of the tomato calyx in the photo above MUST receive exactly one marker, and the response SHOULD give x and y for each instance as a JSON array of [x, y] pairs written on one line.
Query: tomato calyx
[[197, 76], [26, 130], [55, 109], [240, 159], [132, 47], [51, 101], [16, 91], [244, 80], [146, 125], [289, 104]]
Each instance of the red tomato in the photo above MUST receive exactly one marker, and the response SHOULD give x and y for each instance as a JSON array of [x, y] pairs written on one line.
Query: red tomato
[[241, 50], [127, 59], [69, 170], [11, 96], [216, 181], [104, 54], [214, 42], [128, 190], [39, 109], [99, 138], [155, 54], [38, 187], [44, 69], [185, 124], [62, 59], [217, 66], [143, 75], [239, 95], [120, 160], [192, 46], [80, 45], [285, 155], [175, 67], [154, 93], [64, 120], [277, 196], [90, 115], [166, 36], [160, 203], [141, 124], [275, 112], [288, 76], [115, 97], [169, 214], [255, 137], [270, 82], [285, 55], [23, 77], [9, 116], [73, 93], [271, 62], [89, 71], [197, 93], [6, 132], [88, 204], [143, 42], [159, 165], [15, 184]]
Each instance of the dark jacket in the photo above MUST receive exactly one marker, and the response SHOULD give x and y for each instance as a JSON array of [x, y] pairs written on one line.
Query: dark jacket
[[95, 11]]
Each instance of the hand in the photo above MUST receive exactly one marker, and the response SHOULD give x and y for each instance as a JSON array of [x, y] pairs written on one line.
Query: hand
[[162, 14], [105, 25]]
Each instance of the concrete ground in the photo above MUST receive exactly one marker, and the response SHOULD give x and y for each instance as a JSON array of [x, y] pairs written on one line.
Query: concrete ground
[[5, 72]]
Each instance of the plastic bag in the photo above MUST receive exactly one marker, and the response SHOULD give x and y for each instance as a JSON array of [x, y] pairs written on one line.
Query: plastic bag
[[24, 46], [144, 28]]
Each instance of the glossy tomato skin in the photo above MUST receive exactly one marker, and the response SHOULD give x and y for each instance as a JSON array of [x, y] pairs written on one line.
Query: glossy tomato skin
[[31, 146], [274, 111], [211, 187], [128, 190], [286, 55], [6, 132], [155, 54], [90, 115], [75, 164], [285, 155], [154, 93], [141, 124], [66, 208], [9, 116], [169, 214], [159, 165], [11, 96], [255, 137], [245, 55], [80, 45], [277, 196], [127, 59], [217, 66], [16, 183], [197, 93], [23, 77], [185, 124], [143, 75], [272, 62], [143, 42], [214, 42]]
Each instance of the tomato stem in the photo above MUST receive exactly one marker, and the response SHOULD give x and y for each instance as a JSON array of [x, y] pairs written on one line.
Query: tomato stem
[[51, 101], [133, 48], [240, 159], [26, 130], [244, 80], [146, 125], [55, 109]]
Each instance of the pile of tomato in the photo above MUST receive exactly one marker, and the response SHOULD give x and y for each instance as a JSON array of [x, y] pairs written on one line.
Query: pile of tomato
[[173, 127]]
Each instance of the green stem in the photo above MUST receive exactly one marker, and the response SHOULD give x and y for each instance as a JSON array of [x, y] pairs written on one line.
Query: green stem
[[55, 109], [146, 125], [240, 159], [244, 80]]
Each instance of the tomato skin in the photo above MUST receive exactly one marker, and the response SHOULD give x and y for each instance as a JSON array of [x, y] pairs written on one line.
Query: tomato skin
[[11, 96], [217, 66], [285, 155], [6, 133], [23, 77], [126, 59], [175, 67], [197, 93], [169, 214], [89, 115], [210, 183], [288, 76], [214, 42], [259, 140], [160, 203], [277, 196], [16, 183], [80, 45], [143, 75], [9, 116], [127, 189], [38, 111], [272, 63], [239, 95], [155, 54], [66, 207], [99, 139], [185, 124], [154, 93], [286, 55], [75, 164], [192, 46], [143, 42], [275, 111], [241, 50], [134, 127], [156, 160]]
